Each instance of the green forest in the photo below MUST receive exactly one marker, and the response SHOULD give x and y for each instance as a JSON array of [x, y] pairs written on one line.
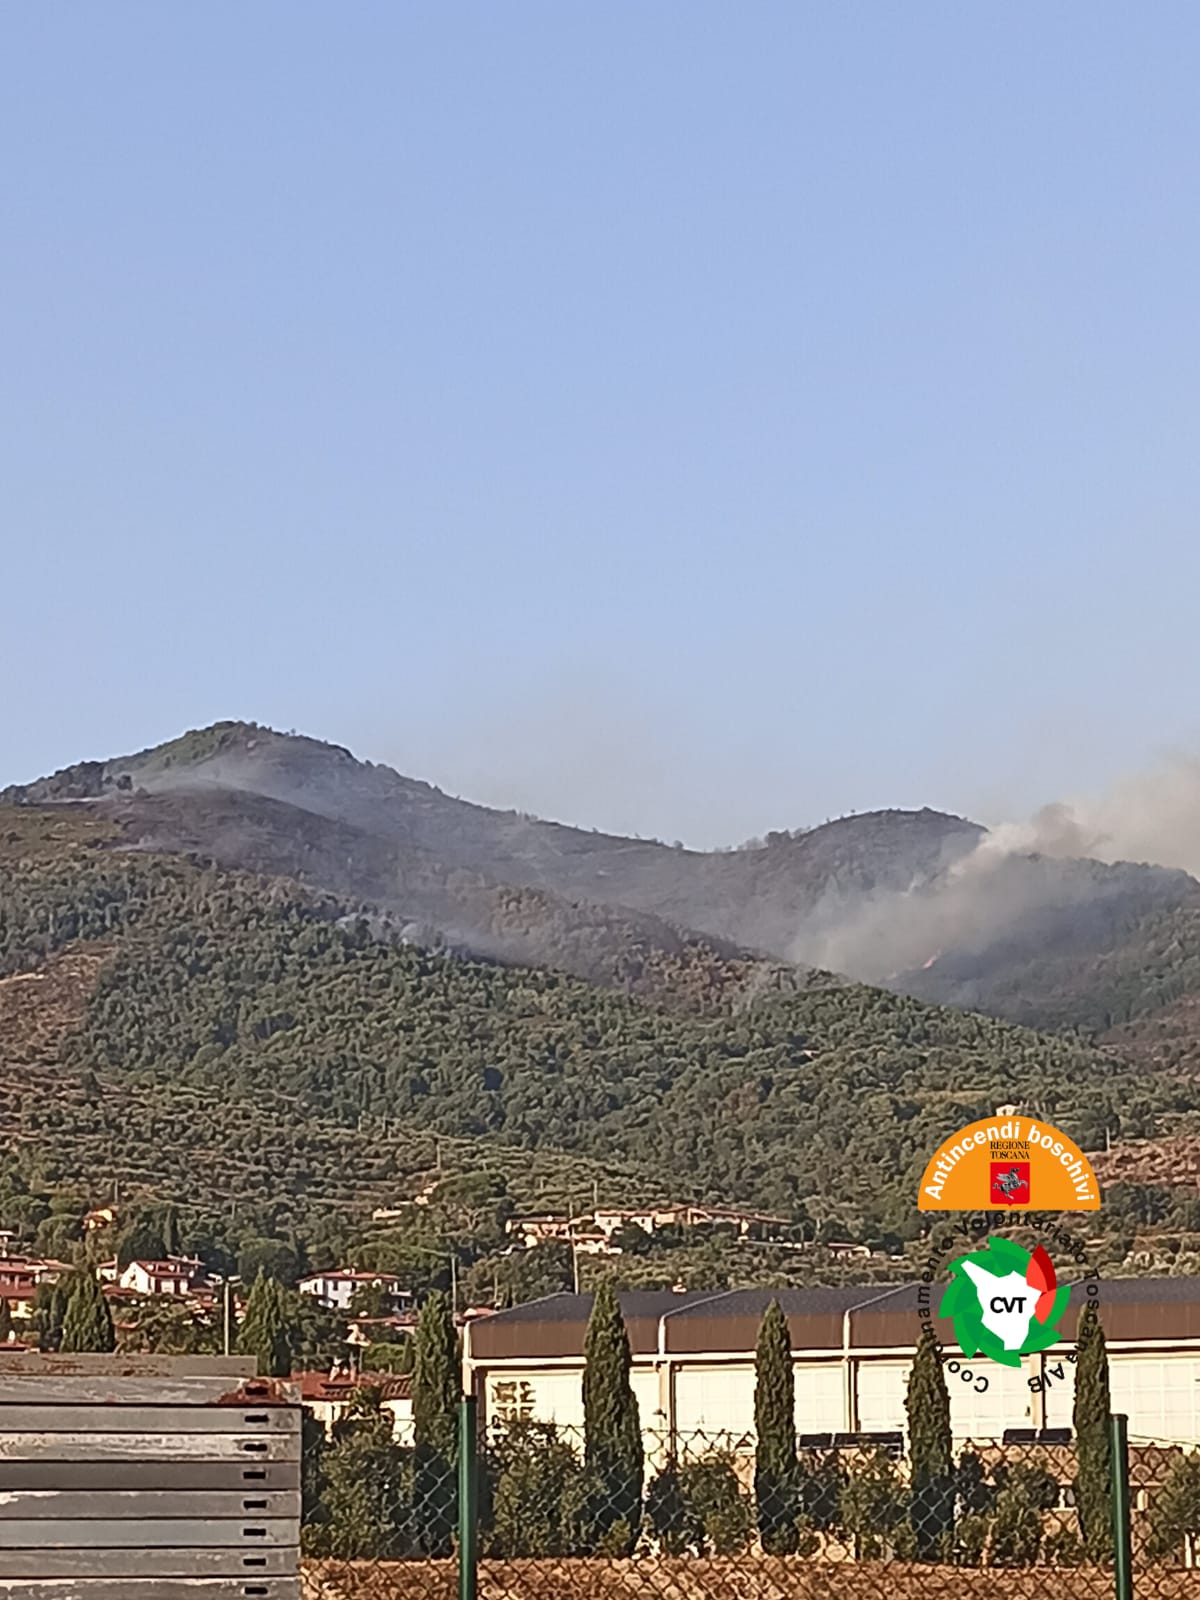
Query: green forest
[[245, 1046]]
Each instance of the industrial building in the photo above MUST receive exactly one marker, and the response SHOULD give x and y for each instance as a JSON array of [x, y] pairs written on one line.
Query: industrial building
[[693, 1363]]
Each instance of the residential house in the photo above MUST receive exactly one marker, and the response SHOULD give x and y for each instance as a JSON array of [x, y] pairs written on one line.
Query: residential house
[[605, 1223], [328, 1396], [542, 1230], [336, 1287], [177, 1275], [20, 1277]]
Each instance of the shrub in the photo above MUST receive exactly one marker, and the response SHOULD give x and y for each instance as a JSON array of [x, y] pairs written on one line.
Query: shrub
[[534, 1492], [715, 1506], [873, 1503]]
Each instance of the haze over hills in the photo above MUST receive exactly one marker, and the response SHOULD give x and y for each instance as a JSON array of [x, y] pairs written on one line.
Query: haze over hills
[[215, 1037], [248, 972], [921, 901]]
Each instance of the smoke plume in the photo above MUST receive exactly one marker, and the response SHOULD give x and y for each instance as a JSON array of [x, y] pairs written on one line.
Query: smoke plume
[[1049, 868]]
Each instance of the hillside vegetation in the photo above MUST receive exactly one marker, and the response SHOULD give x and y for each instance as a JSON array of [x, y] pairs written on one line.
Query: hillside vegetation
[[905, 899], [241, 1040]]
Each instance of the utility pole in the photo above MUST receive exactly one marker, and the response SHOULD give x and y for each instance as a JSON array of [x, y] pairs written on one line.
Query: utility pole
[[229, 1283]]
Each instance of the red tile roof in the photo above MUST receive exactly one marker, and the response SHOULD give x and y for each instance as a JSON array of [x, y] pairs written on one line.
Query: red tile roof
[[319, 1386]]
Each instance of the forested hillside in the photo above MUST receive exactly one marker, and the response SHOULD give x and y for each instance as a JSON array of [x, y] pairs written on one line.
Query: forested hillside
[[917, 901], [252, 1023]]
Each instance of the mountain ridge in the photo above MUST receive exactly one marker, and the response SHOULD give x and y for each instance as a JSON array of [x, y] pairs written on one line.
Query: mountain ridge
[[919, 900]]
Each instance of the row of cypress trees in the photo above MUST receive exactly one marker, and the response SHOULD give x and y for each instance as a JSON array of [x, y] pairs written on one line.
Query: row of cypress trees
[[613, 1450], [931, 1506], [932, 1482], [72, 1315]]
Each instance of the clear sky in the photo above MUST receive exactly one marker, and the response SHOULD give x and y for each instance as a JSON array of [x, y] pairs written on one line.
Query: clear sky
[[682, 417]]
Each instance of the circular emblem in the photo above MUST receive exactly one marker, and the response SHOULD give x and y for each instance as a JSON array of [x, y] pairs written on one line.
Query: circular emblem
[[1004, 1301]]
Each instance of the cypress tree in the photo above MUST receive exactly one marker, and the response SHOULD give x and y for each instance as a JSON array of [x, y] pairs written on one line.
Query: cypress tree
[[5, 1322], [436, 1390], [88, 1324], [927, 1405], [1092, 1451], [266, 1331], [612, 1431], [49, 1312], [775, 1474]]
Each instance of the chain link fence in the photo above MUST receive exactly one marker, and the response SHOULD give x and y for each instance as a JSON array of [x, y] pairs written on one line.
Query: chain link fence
[[530, 1519], [1164, 1518]]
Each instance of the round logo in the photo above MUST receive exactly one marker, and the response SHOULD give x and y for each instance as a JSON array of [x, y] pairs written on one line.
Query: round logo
[[1004, 1301]]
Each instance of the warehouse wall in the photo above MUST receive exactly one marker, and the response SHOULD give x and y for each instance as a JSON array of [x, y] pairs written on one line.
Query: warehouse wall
[[1160, 1393]]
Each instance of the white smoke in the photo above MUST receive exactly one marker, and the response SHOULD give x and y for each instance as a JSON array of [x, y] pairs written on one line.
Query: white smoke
[[1150, 818]]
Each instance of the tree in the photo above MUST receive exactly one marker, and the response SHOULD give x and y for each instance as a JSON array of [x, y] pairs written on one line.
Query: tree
[[873, 1502], [1175, 1514], [388, 1355], [5, 1322], [436, 1390], [266, 1331], [318, 1334], [50, 1303], [524, 1275], [271, 1256], [668, 1513], [1093, 1493], [700, 1506], [314, 1442], [88, 1324], [166, 1325], [775, 1475], [927, 1405], [715, 1506], [533, 1492], [631, 1239], [373, 1301], [142, 1240], [362, 1513], [1016, 1532], [612, 1431]]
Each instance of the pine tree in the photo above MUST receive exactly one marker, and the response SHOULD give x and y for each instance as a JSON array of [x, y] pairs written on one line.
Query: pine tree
[[267, 1331], [88, 1324], [775, 1474], [1092, 1448], [612, 1431], [436, 1391], [927, 1404]]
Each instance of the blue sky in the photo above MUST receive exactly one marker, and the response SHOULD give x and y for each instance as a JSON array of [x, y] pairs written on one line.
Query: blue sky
[[683, 417]]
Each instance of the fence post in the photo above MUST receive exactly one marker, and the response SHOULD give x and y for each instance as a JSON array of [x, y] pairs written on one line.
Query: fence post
[[468, 1500], [1118, 1435]]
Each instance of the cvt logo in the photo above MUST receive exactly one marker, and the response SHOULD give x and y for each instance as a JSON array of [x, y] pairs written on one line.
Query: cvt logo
[[1005, 1302]]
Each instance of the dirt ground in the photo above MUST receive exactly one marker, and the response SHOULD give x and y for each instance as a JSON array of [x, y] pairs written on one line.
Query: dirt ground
[[747, 1578]]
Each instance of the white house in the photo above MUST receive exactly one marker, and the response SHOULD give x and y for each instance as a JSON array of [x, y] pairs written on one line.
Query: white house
[[336, 1288], [328, 1396], [179, 1275]]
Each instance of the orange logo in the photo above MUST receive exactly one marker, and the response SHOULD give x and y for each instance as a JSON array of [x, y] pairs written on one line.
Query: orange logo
[[1012, 1164]]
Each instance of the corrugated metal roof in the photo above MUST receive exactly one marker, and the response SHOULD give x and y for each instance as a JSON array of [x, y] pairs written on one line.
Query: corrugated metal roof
[[884, 1316]]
